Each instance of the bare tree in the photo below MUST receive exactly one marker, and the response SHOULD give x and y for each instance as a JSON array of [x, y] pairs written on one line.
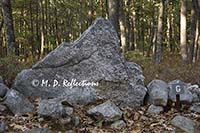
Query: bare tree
[[158, 47], [113, 12], [8, 24], [183, 35]]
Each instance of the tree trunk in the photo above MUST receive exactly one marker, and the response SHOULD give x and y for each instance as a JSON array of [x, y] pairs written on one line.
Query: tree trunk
[[8, 24], [113, 12], [183, 35], [152, 32], [158, 48], [122, 24], [194, 30], [42, 30], [81, 17], [31, 30]]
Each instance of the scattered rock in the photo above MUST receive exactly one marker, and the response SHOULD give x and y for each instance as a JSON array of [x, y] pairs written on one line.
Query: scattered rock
[[94, 57], [2, 127], [194, 89], [54, 108], [17, 103], [158, 92], [38, 130], [136, 95], [76, 120], [120, 124], [66, 121], [107, 111], [195, 107], [2, 108], [144, 118], [155, 109], [185, 124], [70, 131], [1, 80], [3, 90], [186, 97]]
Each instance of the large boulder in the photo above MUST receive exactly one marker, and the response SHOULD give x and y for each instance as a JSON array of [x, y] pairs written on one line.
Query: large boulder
[[17, 103], [94, 58], [187, 97], [158, 93]]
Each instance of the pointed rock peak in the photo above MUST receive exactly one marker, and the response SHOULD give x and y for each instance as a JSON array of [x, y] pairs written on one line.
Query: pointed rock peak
[[100, 35]]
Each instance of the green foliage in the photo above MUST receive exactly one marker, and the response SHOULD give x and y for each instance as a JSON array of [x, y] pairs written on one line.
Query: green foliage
[[170, 69], [10, 66]]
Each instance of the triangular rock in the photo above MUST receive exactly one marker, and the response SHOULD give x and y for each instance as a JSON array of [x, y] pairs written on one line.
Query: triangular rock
[[94, 57]]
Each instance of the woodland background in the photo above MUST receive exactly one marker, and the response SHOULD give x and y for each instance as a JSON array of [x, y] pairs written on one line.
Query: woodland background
[[160, 35]]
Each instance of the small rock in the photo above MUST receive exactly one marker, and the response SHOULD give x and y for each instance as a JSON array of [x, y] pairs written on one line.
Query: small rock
[[2, 108], [107, 111], [65, 121], [155, 109], [1, 80], [2, 127], [118, 125], [76, 121], [70, 131], [136, 95], [144, 118], [54, 108], [3, 90], [186, 97], [158, 92], [195, 108], [17, 103], [38, 130], [185, 124]]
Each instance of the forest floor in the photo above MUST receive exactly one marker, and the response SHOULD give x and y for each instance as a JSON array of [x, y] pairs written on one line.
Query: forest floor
[[137, 120]]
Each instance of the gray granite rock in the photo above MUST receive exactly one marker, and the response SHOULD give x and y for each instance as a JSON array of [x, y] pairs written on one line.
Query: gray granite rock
[[3, 90], [94, 57], [185, 124], [120, 124], [3, 108], [155, 109], [187, 96], [76, 120], [158, 92], [54, 108], [70, 131], [17, 103], [2, 127], [107, 111], [38, 130], [195, 107], [135, 95]]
